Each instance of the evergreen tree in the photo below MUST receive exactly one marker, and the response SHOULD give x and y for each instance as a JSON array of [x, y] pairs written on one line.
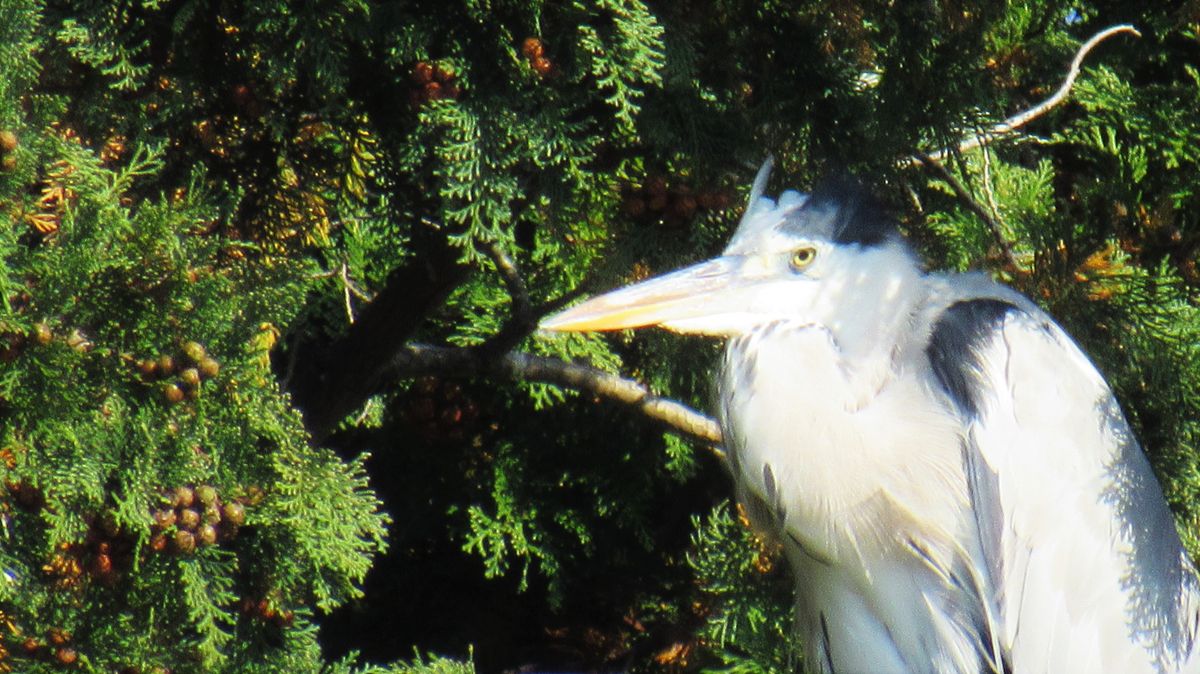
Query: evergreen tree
[[271, 396]]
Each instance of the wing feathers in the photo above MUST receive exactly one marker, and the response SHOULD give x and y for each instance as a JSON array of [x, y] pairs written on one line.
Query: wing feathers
[[1087, 569]]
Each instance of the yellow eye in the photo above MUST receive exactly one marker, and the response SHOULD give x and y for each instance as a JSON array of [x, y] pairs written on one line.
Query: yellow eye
[[802, 257]]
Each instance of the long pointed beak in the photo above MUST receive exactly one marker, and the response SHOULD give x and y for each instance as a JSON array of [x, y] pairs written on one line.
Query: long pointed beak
[[689, 300]]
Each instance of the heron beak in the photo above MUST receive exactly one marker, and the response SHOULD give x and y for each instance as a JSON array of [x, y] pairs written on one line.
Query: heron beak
[[689, 300]]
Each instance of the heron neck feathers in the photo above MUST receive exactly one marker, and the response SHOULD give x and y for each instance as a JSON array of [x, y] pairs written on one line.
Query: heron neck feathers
[[837, 418]]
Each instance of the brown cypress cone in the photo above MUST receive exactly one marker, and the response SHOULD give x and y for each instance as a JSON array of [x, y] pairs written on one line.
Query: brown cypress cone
[[189, 519], [183, 497], [206, 494], [185, 542], [190, 377], [194, 351], [101, 565], [209, 367], [234, 513], [532, 48], [422, 73], [164, 519], [206, 535]]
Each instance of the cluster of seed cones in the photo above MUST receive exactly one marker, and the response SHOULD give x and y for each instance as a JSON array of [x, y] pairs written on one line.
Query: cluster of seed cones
[[181, 374], [104, 555], [432, 82], [671, 203], [56, 647], [264, 609], [534, 51], [195, 517]]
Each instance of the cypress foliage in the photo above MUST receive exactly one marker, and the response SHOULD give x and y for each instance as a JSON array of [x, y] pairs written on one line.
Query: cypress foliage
[[262, 264]]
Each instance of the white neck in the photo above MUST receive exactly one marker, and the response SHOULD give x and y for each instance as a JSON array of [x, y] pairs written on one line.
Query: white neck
[[875, 309]]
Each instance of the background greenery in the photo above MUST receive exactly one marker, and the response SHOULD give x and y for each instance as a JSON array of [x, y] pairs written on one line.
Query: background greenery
[[225, 226]]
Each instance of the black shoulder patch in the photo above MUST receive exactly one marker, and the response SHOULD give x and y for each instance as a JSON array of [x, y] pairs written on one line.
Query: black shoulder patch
[[959, 331], [848, 212]]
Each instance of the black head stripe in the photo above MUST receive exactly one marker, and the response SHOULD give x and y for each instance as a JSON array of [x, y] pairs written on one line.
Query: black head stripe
[[841, 209]]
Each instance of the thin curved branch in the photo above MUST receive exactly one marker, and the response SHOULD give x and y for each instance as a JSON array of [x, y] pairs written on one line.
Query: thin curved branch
[[512, 279], [1017, 121], [524, 318], [1022, 118], [423, 359], [345, 274], [941, 172]]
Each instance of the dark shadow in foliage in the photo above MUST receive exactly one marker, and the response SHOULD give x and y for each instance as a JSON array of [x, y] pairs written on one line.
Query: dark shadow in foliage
[[427, 591]]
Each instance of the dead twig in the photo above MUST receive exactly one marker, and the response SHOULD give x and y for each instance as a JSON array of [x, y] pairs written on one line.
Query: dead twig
[[345, 275], [1020, 119]]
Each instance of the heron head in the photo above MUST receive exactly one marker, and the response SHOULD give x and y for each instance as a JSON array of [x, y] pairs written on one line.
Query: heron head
[[831, 259]]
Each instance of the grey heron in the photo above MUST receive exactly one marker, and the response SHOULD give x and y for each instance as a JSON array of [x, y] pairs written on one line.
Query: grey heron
[[953, 482]]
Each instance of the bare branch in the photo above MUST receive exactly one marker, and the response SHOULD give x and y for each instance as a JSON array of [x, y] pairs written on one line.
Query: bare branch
[[358, 292], [523, 317], [346, 293], [971, 203], [421, 359], [524, 321], [1017, 121], [512, 279], [1022, 118]]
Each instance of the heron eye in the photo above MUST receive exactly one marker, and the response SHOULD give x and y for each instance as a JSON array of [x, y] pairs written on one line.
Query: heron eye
[[802, 257]]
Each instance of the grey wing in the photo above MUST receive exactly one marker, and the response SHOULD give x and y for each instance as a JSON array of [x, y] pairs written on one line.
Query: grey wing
[[1087, 570]]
